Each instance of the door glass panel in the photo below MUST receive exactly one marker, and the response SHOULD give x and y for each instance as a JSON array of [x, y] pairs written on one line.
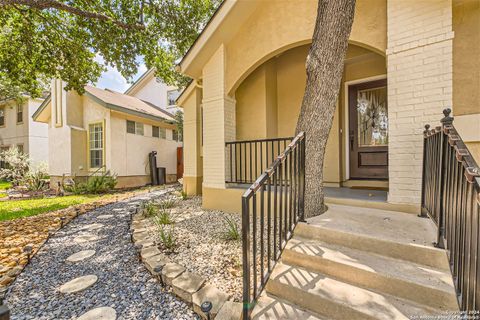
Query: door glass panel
[[372, 116]]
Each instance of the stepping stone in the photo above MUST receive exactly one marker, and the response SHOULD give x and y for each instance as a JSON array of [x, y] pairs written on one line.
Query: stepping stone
[[101, 313], [78, 284], [105, 216], [186, 285], [208, 293], [170, 271], [81, 255], [85, 238], [93, 226]]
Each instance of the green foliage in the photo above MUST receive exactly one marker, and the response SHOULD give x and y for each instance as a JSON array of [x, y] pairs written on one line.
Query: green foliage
[[163, 218], [150, 209], [184, 195], [5, 185], [17, 168], [179, 122], [76, 40], [36, 178], [96, 184], [167, 237], [167, 204], [231, 233]]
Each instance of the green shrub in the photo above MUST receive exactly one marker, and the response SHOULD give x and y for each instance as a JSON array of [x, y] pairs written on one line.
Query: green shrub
[[36, 178], [231, 233], [167, 237], [95, 184]]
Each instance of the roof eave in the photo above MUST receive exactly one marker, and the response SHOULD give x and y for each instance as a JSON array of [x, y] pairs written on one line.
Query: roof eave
[[41, 108]]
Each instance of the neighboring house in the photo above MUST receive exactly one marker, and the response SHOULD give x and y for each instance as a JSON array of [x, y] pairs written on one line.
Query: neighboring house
[[405, 62], [106, 130], [17, 129], [150, 89]]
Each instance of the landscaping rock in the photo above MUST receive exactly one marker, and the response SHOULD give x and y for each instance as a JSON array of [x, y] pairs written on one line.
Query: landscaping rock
[[230, 311], [170, 271], [186, 285], [208, 293]]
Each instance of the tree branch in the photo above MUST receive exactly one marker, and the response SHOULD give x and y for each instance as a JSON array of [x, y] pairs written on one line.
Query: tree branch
[[53, 4]]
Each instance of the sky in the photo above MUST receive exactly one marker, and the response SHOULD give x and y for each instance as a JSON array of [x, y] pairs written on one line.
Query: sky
[[112, 79]]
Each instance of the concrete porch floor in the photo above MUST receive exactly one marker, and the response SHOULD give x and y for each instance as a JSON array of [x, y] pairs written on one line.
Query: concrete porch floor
[[378, 223], [356, 194]]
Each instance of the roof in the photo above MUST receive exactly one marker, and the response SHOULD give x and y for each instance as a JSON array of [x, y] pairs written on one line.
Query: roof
[[139, 81], [119, 102]]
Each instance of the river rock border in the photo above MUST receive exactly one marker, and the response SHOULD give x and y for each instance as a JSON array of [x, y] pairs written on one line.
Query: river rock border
[[188, 286]]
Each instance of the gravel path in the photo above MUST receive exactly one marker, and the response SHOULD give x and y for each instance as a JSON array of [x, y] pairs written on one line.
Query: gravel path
[[123, 283]]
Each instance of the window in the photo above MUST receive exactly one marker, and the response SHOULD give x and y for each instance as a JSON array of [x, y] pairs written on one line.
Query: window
[[134, 127], [155, 132], [172, 96], [20, 148], [3, 164], [163, 133], [175, 135], [19, 113], [130, 126], [95, 144], [2, 116], [139, 128]]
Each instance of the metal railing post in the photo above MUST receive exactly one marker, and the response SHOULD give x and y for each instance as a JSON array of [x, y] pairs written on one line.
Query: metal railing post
[[423, 212], [246, 257]]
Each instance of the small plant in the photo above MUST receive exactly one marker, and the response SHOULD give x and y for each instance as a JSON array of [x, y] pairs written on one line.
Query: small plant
[[183, 194], [36, 178], [95, 184], [167, 204], [167, 237], [150, 209], [231, 233], [163, 218]]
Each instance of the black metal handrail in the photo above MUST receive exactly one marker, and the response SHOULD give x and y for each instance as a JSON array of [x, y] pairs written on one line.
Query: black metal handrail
[[247, 159], [451, 198], [268, 224]]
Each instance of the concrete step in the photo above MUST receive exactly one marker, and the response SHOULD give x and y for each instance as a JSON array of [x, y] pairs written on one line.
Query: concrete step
[[418, 283], [268, 307], [370, 242], [318, 293]]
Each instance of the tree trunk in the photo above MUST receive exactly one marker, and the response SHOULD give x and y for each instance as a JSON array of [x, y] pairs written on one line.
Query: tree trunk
[[324, 66]]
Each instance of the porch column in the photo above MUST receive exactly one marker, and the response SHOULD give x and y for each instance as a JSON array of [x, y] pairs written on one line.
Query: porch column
[[419, 61], [218, 121]]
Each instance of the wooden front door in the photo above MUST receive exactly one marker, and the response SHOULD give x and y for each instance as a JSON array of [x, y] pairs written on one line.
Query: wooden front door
[[179, 162], [368, 130]]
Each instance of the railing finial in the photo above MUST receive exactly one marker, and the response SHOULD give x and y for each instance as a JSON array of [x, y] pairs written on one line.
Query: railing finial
[[426, 131], [447, 119]]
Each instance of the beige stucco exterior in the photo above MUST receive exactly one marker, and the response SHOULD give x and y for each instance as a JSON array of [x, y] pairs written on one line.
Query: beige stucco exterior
[[249, 78], [125, 154], [29, 135]]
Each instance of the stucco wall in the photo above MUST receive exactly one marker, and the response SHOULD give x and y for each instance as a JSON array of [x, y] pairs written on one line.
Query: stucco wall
[[276, 26], [153, 91]]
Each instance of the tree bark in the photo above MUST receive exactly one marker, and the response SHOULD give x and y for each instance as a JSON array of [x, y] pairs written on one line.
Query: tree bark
[[324, 66]]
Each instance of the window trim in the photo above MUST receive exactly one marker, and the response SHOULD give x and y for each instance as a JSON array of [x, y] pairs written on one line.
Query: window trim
[[103, 166], [19, 106], [174, 102]]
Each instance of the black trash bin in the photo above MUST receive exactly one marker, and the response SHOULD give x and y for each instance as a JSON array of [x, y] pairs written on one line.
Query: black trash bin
[[162, 175]]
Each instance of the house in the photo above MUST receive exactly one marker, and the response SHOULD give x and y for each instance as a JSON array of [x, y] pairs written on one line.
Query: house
[[248, 71], [17, 129], [104, 130], [407, 61], [149, 88]]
